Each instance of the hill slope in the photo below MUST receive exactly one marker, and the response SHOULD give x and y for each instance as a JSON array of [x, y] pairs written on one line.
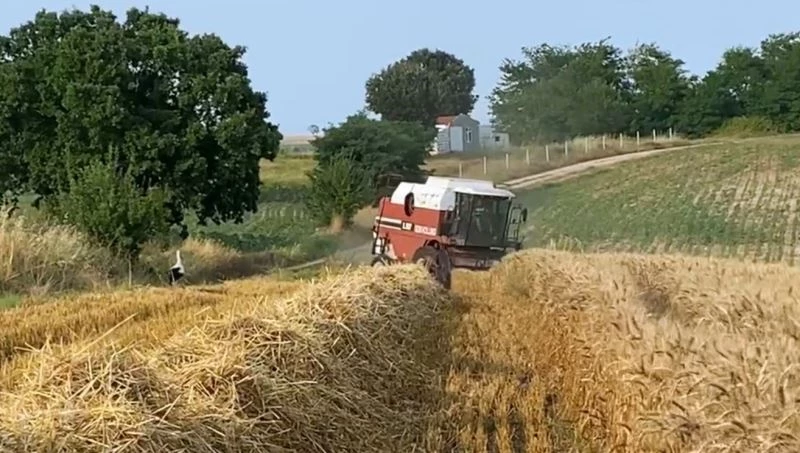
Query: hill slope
[[729, 200]]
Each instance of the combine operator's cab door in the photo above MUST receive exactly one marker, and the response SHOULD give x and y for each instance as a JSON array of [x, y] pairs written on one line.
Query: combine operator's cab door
[[479, 221], [516, 218]]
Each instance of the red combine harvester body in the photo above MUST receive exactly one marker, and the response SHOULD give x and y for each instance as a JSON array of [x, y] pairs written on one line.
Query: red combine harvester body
[[446, 223]]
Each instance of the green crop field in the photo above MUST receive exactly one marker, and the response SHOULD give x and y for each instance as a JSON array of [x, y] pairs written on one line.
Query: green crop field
[[724, 200], [281, 221]]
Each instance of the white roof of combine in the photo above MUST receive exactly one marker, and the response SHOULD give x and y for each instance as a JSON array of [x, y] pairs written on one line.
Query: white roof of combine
[[470, 186], [440, 193]]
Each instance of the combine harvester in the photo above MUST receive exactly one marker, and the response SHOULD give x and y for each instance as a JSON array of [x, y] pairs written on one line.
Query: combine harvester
[[447, 223]]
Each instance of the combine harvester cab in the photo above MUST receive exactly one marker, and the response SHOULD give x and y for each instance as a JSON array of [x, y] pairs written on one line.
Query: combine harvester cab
[[447, 223]]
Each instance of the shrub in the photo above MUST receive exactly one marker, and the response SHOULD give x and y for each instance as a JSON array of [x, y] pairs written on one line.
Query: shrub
[[382, 147], [746, 126], [108, 206], [339, 188]]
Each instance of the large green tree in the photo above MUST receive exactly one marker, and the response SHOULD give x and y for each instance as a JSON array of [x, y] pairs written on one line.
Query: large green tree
[[743, 73], [733, 89], [778, 93], [707, 106], [659, 87], [355, 158], [382, 147], [425, 84], [179, 110], [557, 92]]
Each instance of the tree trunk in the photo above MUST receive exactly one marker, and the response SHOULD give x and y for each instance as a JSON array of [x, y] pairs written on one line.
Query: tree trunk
[[337, 223]]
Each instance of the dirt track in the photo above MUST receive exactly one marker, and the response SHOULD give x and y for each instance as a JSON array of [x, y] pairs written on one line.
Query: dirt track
[[568, 171], [361, 254]]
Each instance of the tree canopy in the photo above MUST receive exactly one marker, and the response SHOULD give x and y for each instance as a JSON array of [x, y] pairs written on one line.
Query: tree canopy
[[422, 86], [381, 146], [179, 110], [353, 159], [559, 92], [555, 91]]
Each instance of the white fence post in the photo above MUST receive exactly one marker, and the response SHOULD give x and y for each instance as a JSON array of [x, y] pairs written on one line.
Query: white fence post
[[528, 156], [621, 142], [637, 140], [654, 135], [670, 133], [484, 165], [460, 169], [566, 149], [507, 161], [547, 152], [604, 142], [586, 145]]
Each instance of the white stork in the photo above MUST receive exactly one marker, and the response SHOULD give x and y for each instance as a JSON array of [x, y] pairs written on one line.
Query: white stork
[[177, 271]]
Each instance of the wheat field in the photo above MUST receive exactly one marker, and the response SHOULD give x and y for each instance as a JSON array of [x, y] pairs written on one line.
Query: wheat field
[[550, 351], [557, 351]]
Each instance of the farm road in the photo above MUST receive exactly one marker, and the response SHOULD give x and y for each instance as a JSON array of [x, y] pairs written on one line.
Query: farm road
[[361, 254]]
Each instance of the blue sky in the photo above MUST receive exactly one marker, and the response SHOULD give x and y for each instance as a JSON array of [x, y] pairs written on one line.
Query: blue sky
[[312, 57]]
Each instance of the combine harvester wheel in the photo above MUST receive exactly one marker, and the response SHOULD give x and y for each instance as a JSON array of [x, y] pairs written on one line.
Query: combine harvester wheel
[[437, 262]]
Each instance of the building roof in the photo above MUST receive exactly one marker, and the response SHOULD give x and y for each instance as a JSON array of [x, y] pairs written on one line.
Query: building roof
[[445, 120]]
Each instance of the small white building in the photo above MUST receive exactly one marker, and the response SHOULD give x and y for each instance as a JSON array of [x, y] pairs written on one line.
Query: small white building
[[455, 134], [493, 140], [461, 133]]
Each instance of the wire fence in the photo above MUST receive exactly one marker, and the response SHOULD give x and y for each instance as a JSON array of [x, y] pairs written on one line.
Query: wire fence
[[503, 164]]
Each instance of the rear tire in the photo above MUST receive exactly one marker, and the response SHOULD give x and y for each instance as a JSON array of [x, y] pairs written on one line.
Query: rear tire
[[446, 269], [437, 263]]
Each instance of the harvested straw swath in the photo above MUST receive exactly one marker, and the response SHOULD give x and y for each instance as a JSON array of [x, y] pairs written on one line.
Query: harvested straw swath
[[346, 364]]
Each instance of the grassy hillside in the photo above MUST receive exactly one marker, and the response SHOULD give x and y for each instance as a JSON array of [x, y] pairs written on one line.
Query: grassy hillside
[[727, 200], [551, 351]]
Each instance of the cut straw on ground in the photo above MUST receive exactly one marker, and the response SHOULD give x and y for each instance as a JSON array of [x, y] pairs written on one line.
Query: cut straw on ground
[[307, 373]]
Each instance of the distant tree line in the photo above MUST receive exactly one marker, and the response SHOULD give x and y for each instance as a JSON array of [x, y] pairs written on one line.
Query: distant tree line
[[559, 92]]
